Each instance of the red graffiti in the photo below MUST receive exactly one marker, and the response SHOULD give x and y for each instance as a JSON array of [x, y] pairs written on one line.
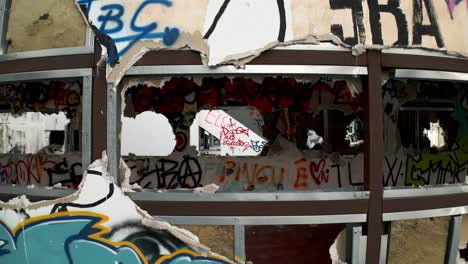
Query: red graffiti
[[248, 175], [317, 171], [229, 136], [272, 94]]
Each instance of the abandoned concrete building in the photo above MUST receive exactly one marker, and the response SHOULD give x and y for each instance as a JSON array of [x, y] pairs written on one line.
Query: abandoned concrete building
[[242, 131]]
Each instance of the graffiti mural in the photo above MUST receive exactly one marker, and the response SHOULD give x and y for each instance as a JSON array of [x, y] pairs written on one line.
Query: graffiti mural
[[46, 97], [73, 237], [41, 170], [297, 172], [87, 228], [128, 30]]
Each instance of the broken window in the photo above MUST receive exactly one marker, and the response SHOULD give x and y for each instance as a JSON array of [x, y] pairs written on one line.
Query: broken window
[[40, 133], [425, 133], [242, 133]]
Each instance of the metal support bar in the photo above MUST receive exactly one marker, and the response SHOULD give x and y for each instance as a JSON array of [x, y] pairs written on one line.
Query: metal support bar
[[45, 75], [431, 75], [249, 69], [374, 156], [326, 131], [86, 117], [453, 239], [113, 131], [383, 249], [5, 6], [397, 216], [355, 244], [239, 243], [89, 42], [398, 192], [247, 197], [264, 220]]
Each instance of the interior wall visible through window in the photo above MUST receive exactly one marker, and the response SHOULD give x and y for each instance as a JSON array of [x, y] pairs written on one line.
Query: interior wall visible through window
[[258, 134]]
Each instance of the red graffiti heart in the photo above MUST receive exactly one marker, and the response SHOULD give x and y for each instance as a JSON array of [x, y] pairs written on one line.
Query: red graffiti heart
[[316, 170]]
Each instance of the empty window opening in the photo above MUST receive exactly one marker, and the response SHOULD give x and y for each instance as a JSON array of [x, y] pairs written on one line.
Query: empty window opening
[[226, 133], [40, 117]]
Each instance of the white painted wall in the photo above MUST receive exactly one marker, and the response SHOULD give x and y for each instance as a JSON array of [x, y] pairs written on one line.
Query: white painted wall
[[29, 130]]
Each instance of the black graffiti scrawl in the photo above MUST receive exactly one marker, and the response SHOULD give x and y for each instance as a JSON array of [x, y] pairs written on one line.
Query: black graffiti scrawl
[[225, 9], [391, 7]]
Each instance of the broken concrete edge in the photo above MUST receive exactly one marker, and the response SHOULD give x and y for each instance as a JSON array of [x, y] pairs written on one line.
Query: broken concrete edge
[[22, 203]]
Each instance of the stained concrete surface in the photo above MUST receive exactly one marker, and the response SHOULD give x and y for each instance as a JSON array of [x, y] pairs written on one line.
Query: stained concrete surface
[[45, 24], [220, 239], [418, 241]]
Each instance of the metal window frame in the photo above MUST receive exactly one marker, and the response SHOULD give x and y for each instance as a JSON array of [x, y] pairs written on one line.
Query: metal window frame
[[5, 6], [265, 220], [453, 239], [175, 70], [114, 91], [409, 215], [86, 113], [425, 191], [430, 75]]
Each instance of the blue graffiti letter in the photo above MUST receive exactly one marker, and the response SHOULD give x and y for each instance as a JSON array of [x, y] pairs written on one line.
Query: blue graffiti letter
[[151, 26], [111, 16]]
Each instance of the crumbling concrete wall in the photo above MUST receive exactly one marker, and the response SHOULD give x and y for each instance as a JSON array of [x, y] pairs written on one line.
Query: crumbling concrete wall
[[418, 241], [45, 24]]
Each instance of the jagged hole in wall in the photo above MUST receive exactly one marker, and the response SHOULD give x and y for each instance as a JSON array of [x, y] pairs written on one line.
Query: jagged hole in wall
[[148, 134], [435, 134]]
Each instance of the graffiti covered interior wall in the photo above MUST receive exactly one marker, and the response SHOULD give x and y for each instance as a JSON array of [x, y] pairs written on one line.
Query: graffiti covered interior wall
[[49, 113]]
